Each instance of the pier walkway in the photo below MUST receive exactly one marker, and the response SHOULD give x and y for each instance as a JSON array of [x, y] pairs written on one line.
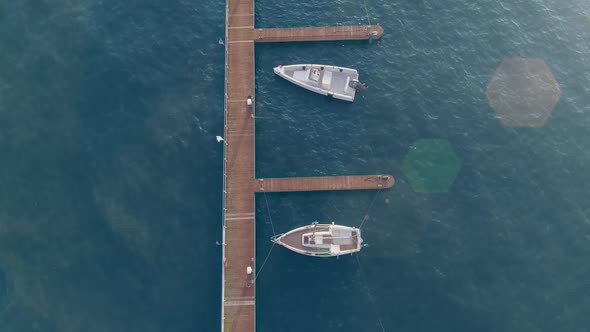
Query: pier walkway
[[239, 186]]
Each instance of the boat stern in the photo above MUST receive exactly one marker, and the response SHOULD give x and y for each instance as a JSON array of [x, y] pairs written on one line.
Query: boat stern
[[359, 239]]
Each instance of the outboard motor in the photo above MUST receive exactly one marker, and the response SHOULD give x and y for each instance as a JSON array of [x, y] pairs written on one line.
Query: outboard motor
[[355, 84]]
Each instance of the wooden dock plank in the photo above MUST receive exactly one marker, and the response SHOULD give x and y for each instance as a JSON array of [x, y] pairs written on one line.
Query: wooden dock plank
[[320, 183], [240, 7], [240, 20], [242, 33], [318, 33]]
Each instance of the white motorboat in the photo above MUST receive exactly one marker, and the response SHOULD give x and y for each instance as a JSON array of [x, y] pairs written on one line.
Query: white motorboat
[[332, 81]]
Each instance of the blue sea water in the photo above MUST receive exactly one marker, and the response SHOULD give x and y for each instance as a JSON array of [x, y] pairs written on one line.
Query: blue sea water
[[110, 180]]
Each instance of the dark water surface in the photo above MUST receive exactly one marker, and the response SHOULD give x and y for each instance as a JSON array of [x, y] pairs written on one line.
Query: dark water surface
[[110, 180]]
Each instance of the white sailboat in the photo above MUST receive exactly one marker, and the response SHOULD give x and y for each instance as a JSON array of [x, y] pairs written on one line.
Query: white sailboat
[[321, 240]]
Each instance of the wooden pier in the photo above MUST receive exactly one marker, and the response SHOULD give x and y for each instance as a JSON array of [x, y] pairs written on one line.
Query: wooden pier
[[319, 183], [248, 34], [239, 185], [318, 33]]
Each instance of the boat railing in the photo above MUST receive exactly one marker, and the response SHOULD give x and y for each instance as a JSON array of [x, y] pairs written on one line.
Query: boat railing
[[274, 237]]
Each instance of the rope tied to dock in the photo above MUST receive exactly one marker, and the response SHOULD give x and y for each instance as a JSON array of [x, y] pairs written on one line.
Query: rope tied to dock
[[366, 216], [364, 279], [367, 11], [273, 234], [269, 217]]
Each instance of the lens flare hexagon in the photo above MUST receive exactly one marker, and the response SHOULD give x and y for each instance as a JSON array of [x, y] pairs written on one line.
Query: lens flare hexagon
[[523, 92]]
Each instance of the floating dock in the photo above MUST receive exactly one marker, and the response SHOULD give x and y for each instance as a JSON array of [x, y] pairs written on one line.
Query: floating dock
[[238, 312]]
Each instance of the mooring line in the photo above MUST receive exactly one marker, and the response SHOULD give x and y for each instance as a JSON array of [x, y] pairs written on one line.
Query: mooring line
[[261, 267], [366, 216], [273, 233], [268, 212], [367, 11], [364, 279]]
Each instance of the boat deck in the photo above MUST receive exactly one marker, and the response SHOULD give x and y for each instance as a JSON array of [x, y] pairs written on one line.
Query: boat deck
[[238, 310], [329, 80]]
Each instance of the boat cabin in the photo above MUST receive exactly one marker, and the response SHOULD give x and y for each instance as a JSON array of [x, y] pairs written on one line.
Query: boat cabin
[[317, 240]]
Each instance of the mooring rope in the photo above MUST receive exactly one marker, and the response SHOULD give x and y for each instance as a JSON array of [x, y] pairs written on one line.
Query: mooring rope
[[261, 267], [273, 234], [364, 280], [366, 216], [269, 217], [367, 11]]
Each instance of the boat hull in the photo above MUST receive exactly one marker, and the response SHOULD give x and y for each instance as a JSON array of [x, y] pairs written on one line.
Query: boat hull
[[322, 240], [331, 81]]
